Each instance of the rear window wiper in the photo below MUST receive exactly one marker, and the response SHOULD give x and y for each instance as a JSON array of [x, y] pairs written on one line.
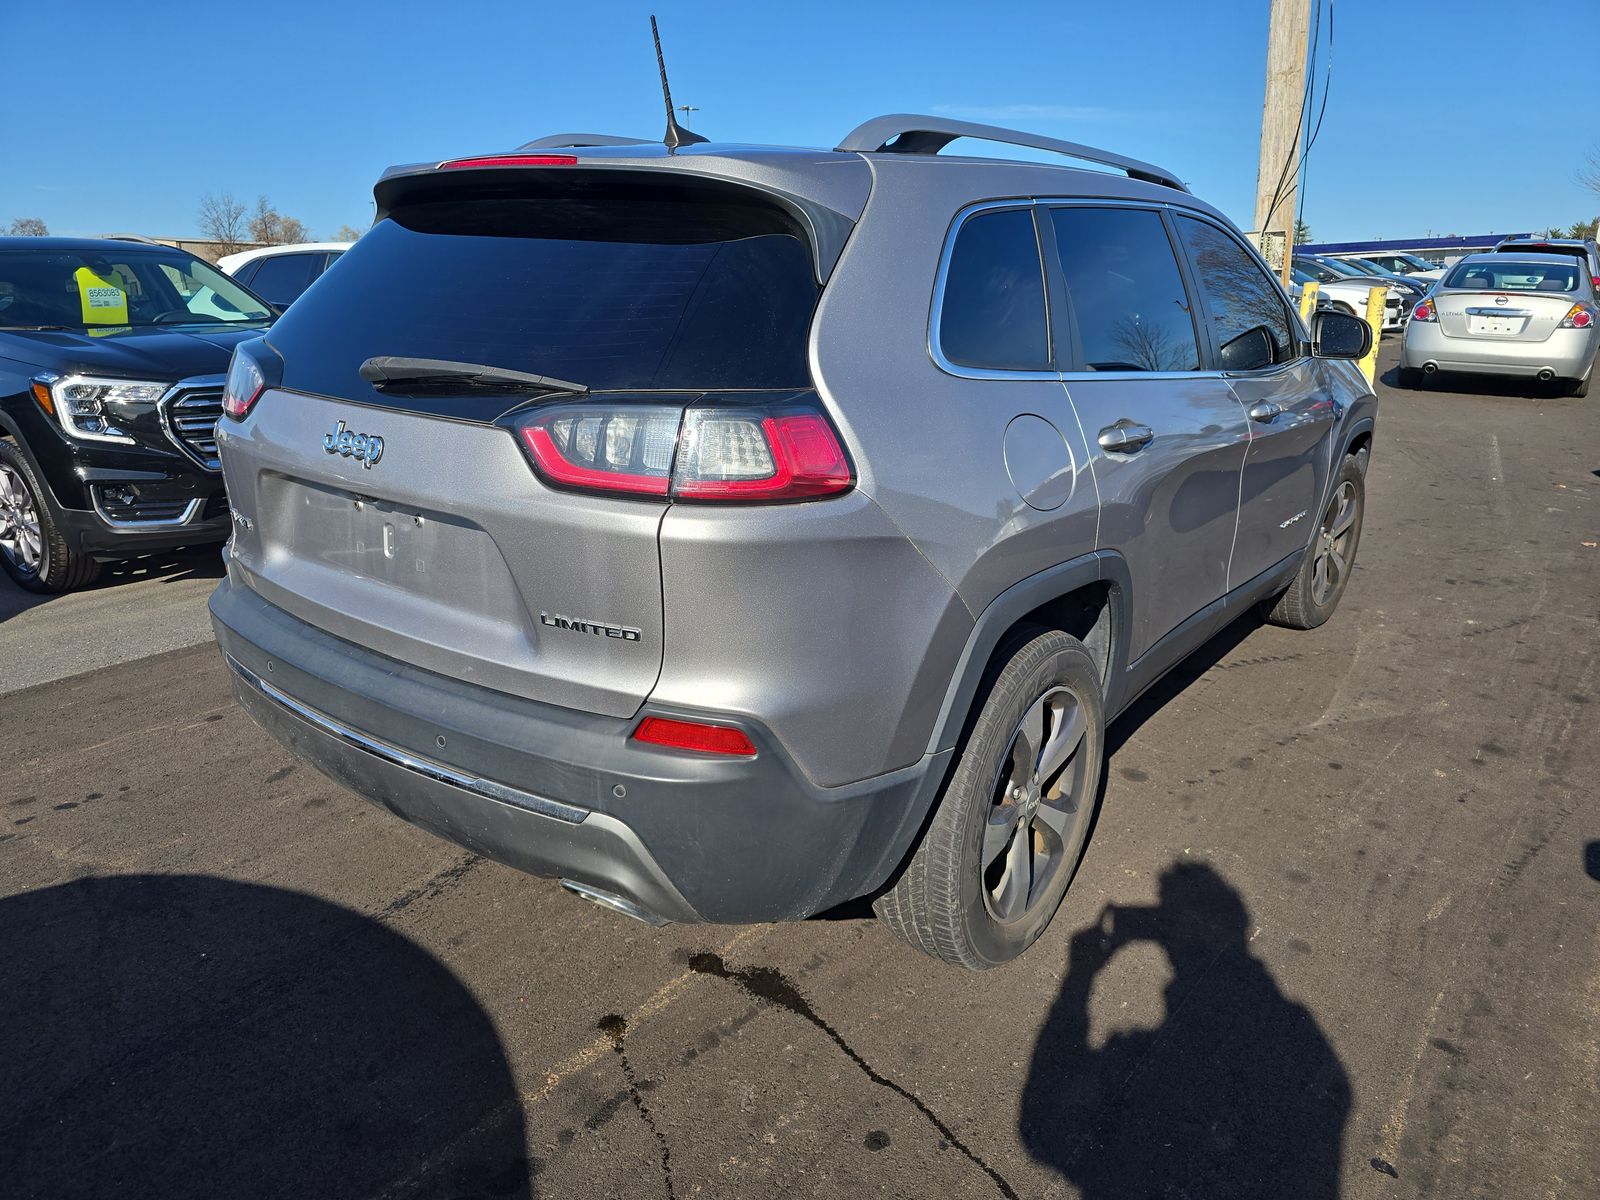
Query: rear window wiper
[[398, 373]]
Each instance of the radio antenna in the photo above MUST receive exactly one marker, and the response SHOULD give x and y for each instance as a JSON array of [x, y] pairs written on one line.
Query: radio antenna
[[677, 135]]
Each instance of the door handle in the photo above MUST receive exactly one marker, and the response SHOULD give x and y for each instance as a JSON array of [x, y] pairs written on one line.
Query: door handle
[[1265, 411], [1125, 437]]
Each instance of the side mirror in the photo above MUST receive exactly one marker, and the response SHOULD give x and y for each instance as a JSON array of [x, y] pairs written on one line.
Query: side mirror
[[1250, 351], [1336, 334]]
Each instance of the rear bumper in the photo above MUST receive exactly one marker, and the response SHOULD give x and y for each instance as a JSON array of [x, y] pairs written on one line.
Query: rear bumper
[[1566, 353], [563, 793]]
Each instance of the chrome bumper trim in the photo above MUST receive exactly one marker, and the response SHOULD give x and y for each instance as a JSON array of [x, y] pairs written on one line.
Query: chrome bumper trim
[[404, 758]]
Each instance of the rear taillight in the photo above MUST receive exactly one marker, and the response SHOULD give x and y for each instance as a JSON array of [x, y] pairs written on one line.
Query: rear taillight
[[246, 381], [1424, 311], [699, 736], [509, 160], [699, 452], [1579, 316]]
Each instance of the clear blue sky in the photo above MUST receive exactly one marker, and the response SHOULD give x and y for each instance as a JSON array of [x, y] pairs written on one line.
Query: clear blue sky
[[123, 114]]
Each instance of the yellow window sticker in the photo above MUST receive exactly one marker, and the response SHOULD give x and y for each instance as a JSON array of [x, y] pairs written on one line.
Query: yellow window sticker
[[104, 303]]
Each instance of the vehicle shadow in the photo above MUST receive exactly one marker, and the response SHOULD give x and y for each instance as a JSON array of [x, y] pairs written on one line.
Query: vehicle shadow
[[1591, 860], [168, 566], [1237, 1093], [188, 1036], [1450, 383]]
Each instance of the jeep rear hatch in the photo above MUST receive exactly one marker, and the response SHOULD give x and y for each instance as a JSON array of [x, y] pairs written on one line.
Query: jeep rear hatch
[[448, 549]]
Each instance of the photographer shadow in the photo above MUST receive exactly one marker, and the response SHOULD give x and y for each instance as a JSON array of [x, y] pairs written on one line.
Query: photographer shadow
[[188, 1036], [1237, 1093]]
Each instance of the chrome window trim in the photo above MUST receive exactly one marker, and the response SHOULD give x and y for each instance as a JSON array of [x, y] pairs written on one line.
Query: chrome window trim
[[191, 384], [426, 767], [936, 310], [190, 513]]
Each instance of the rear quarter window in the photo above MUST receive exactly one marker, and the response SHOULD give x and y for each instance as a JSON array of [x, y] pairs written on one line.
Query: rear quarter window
[[992, 314]]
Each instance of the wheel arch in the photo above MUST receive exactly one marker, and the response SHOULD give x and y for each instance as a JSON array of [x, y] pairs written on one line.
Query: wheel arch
[[1087, 597]]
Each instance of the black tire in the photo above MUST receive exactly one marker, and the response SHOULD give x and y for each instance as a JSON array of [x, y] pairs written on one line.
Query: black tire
[[944, 901], [1409, 377], [1309, 600], [57, 568]]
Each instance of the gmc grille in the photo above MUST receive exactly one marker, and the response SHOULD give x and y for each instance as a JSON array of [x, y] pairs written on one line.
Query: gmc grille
[[191, 418]]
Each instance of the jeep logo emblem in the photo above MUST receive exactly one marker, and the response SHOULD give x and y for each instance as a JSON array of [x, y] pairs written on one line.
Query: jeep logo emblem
[[365, 448]]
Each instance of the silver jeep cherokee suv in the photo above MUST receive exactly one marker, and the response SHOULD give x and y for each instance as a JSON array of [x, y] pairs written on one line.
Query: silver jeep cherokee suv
[[734, 532]]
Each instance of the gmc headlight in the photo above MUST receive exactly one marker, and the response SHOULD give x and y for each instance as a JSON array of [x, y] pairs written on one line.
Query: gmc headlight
[[91, 408]]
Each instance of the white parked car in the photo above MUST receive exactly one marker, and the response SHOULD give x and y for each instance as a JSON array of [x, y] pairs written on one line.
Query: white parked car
[[278, 274]]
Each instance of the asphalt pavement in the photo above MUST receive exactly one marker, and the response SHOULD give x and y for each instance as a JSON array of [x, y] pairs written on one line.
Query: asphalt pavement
[[1337, 932]]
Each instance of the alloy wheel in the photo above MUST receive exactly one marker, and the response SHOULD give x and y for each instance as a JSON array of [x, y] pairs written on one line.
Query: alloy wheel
[[1332, 557], [20, 539], [1040, 807]]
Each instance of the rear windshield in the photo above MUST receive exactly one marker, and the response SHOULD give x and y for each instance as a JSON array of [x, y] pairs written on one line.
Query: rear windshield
[[1513, 276], [614, 295]]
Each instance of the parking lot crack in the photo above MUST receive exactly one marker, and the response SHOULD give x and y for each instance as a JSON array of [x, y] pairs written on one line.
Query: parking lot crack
[[771, 986]]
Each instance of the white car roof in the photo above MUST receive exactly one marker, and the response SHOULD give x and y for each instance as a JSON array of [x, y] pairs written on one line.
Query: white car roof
[[229, 263]]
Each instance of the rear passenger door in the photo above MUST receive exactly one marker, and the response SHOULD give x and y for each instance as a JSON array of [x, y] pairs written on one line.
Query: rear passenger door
[[1166, 434], [1257, 344]]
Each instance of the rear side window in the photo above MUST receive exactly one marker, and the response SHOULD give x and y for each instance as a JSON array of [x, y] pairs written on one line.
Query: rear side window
[[1127, 294], [1248, 317], [612, 292], [282, 277], [993, 315]]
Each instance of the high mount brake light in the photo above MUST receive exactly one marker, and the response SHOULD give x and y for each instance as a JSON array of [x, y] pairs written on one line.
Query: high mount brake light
[[699, 736], [699, 452], [510, 160], [1424, 311]]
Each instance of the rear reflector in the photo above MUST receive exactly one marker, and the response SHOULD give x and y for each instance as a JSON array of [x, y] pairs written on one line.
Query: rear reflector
[[510, 160], [694, 735]]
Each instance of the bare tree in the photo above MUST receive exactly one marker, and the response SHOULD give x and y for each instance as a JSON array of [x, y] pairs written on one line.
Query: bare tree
[[1589, 173], [347, 233], [222, 221], [271, 227], [28, 227]]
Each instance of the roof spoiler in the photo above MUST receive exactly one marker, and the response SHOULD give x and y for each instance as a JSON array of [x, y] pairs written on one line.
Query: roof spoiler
[[904, 133], [578, 141]]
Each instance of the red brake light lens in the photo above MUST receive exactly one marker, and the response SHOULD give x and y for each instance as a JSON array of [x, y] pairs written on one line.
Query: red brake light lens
[[510, 160], [743, 455], [701, 737], [244, 386], [1424, 311], [1578, 317], [605, 447], [702, 452]]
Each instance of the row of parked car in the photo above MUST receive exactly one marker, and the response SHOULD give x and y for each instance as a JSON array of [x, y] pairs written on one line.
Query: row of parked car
[[1528, 309]]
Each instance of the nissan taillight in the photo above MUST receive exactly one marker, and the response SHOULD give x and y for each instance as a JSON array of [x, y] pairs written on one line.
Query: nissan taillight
[[1579, 316], [1425, 311]]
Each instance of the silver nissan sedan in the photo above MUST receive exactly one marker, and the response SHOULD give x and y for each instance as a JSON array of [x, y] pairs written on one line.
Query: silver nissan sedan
[[1528, 315]]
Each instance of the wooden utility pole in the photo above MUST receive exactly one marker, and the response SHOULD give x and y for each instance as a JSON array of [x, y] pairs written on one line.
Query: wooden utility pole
[[1281, 120]]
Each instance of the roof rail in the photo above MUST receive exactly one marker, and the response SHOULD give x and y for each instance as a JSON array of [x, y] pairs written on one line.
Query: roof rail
[[577, 141], [134, 237], [903, 133]]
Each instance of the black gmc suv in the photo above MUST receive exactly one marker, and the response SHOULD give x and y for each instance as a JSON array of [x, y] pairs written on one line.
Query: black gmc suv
[[112, 358]]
